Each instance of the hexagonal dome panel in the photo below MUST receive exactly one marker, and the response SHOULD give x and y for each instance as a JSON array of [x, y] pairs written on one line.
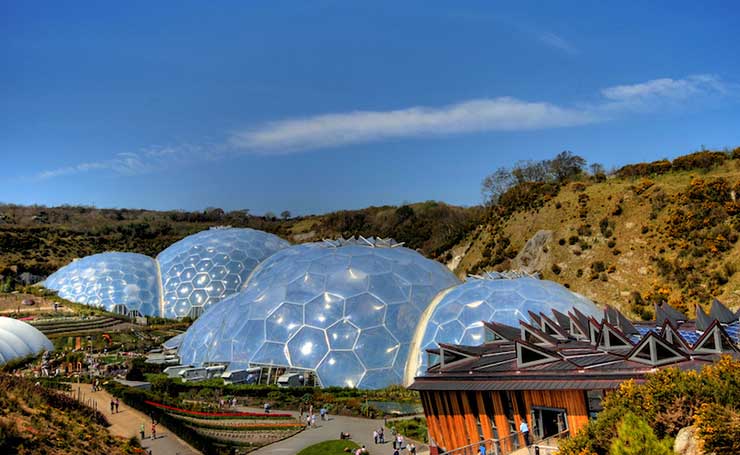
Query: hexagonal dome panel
[[344, 309], [213, 264], [124, 283], [456, 314]]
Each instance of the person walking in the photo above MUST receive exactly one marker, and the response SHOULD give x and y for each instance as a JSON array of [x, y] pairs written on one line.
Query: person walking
[[524, 429], [381, 436], [112, 406], [375, 436], [154, 430], [322, 412], [411, 448], [117, 403], [141, 430]]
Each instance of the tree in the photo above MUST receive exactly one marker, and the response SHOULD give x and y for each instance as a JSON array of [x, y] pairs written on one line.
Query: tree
[[566, 165], [531, 171], [597, 168], [496, 184], [285, 214], [635, 437], [270, 215]]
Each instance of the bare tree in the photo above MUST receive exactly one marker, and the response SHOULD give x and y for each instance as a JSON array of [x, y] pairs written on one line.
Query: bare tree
[[496, 184], [285, 214]]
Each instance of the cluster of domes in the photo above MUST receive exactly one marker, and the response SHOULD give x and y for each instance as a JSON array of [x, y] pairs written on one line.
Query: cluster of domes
[[19, 339], [358, 312], [184, 280]]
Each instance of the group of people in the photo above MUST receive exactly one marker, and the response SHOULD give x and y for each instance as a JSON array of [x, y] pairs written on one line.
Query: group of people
[[114, 406], [398, 442], [228, 403], [311, 417]]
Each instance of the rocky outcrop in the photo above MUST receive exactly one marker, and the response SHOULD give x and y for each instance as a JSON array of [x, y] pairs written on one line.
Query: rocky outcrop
[[687, 443], [534, 257]]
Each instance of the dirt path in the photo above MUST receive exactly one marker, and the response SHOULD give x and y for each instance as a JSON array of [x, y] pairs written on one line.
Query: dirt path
[[127, 422]]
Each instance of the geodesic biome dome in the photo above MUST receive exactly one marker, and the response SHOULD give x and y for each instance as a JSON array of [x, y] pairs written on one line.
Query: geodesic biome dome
[[19, 339], [206, 267], [346, 310], [124, 283], [455, 316]]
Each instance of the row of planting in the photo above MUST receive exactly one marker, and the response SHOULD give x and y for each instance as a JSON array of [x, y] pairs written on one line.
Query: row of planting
[[210, 432]]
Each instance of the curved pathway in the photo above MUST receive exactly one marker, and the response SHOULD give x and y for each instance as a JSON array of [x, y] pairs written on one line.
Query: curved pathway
[[360, 429], [127, 422]]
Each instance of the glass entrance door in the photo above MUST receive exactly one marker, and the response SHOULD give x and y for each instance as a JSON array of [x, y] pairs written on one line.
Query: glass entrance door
[[549, 421]]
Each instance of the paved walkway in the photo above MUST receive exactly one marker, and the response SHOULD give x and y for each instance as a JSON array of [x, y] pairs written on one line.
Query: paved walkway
[[127, 422], [359, 428]]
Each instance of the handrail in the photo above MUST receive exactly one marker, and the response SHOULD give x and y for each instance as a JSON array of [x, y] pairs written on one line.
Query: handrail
[[505, 445], [493, 446]]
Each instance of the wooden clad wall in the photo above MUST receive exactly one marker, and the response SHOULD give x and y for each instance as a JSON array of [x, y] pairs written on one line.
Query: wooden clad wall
[[452, 421], [573, 401]]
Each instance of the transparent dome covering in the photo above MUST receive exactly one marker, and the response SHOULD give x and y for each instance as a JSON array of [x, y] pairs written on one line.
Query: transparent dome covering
[[456, 315], [346, 310], [204, 268], [124, 283], [19, 339]]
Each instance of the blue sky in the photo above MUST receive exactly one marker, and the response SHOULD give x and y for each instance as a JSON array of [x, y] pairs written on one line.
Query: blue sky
[[319, 106]]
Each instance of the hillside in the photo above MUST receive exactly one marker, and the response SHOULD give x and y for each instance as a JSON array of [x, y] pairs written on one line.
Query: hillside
[[37, 420], [39, 240], [626, 240], [649, 232]]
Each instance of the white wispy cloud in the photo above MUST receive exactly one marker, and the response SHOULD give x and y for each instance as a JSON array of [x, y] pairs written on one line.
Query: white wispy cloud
[[134, 163], [557, 42], [330, 130], [357, 127], [666, 88]]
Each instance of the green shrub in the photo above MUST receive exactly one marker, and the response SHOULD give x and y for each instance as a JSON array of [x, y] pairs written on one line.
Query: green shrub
[[635, 437]]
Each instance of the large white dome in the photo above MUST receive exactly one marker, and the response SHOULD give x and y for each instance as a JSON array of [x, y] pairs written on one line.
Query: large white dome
[[19, 339]]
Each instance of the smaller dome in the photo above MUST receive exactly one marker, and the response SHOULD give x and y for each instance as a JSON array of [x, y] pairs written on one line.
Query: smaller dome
[[19, 339], [124, 283], [206, 267], [456, 314]]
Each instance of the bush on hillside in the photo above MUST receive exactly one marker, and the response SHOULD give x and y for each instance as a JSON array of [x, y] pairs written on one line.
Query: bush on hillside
[[703, 160], [669, 400]]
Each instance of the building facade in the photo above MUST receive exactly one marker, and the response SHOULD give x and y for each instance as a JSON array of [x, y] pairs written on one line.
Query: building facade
[[552, 373]]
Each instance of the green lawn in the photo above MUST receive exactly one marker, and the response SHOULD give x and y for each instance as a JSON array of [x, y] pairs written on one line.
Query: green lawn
[[333, 447]]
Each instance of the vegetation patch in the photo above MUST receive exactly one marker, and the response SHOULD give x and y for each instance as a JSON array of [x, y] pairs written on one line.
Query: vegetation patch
[[333, 447]]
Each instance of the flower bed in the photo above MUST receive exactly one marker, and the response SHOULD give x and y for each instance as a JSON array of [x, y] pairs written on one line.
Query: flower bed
[[249, 426], [218, 415]]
